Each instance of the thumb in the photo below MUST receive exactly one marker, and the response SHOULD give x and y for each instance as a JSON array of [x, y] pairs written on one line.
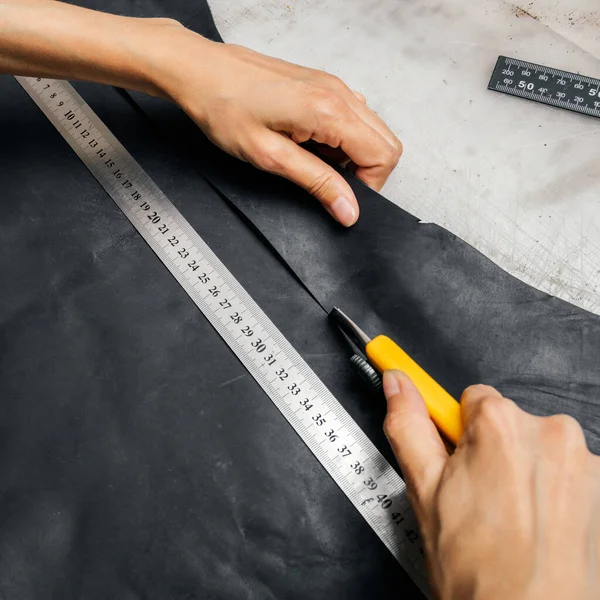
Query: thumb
[[414, 439], [279, 155]]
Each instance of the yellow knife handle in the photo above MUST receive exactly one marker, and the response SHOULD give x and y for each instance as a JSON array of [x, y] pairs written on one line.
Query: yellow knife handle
[[443, 409]]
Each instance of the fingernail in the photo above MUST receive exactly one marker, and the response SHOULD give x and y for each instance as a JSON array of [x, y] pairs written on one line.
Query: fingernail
[[343, 211], [392, 383]]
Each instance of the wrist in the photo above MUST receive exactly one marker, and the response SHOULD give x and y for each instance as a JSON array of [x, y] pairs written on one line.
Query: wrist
[[165, 52]]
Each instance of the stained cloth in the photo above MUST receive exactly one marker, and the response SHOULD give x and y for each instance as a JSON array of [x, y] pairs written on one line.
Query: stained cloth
[[138, 459]]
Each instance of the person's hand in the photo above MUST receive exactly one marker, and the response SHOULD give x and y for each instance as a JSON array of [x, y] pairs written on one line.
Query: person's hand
[[514, 513], [254, 107], [259, 109]]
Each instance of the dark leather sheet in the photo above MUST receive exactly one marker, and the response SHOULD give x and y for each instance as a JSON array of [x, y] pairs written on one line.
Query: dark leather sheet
[[458, 314], [137, 458]]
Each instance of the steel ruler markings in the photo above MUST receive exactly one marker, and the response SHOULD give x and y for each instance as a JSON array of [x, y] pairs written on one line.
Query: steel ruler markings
[[338, 443], [570, 91]]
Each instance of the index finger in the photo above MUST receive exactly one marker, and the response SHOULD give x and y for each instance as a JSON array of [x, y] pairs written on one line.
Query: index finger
[[415, 440], [358, 103], [339, 126]]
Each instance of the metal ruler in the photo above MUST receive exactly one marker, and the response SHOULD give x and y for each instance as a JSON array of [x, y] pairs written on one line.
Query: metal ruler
[[338, 443], [549, 86]]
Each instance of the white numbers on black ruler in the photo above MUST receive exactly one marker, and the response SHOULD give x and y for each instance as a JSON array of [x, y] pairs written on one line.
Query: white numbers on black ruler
[[550, 86], [339, 444]]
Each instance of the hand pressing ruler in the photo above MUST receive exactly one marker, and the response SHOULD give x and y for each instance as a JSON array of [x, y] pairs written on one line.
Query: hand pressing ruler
[[338, 443], [570, 91]]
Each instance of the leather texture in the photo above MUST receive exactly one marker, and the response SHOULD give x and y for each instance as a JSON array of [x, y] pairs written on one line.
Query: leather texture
[[138, 459]]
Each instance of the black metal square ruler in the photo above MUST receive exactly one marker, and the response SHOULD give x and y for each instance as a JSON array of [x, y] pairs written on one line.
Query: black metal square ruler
[[368, 480], [562, 89]]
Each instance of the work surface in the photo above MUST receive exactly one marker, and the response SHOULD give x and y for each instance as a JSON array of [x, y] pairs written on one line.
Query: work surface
[[517, 180], [139, 459]]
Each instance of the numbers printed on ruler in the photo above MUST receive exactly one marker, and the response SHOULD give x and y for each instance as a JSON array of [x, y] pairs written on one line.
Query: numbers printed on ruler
[[546, 85], [378, 492], [248, 333]]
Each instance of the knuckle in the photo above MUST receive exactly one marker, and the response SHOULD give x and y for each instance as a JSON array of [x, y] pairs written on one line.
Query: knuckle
[[492, 413], [361, 97], [384, 153], [398, 149], [266, 161], [267, 156], [477, 391], [392, 156], [336, 82], [565, 431], [167, 21], [325, 78], [320, 185], [329, 104]]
